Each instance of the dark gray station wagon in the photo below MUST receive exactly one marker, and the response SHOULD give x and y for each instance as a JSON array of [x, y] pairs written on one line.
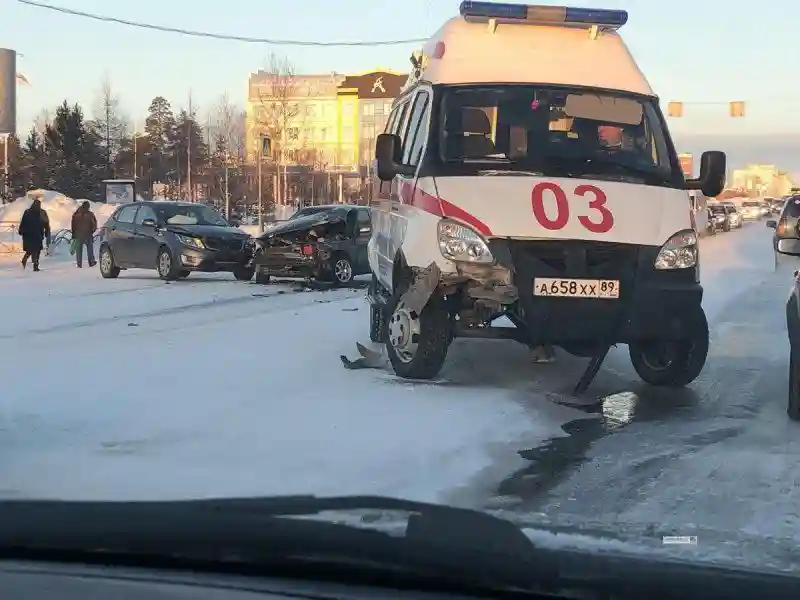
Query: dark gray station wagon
[[174, 238]]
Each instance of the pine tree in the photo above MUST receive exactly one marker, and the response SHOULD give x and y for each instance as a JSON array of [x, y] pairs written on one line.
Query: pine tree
[[74, 157], [186, 133], [158, 128]]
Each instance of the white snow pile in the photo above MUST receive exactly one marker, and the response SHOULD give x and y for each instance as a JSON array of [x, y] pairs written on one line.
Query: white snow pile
[[59, 207]]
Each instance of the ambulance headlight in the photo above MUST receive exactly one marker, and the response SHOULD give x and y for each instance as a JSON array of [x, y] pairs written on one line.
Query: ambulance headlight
[[680, 252], [461, 244]]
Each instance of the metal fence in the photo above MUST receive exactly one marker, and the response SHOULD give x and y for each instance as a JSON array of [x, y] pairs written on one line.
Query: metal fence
[[10, 240]]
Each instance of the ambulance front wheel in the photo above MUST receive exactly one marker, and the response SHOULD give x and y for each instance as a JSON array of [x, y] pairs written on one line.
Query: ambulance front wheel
[[674, 363], [417, 343]]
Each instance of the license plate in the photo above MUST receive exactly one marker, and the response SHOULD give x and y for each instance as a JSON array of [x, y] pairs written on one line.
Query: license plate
[[576, 288]]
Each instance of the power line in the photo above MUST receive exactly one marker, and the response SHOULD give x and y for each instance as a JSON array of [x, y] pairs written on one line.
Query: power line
[[217, 36]]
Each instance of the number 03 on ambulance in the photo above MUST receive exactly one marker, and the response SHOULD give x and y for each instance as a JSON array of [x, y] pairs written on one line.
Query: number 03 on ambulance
[[526, 171]]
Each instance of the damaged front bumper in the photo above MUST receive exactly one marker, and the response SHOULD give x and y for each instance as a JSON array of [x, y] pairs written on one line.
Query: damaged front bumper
[[651, 304]]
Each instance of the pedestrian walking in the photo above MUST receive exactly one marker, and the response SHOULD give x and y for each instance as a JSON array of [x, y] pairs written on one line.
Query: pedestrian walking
[[84, 224], [34, 227]]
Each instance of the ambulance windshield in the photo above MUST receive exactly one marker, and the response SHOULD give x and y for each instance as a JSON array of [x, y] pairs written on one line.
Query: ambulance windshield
[[555, 131]]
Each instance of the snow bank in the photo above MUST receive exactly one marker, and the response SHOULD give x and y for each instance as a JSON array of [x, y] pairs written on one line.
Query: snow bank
[[58, 206]]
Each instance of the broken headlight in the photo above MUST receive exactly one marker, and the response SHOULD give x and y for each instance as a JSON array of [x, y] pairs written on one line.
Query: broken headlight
[[680, 252], [461, 244]]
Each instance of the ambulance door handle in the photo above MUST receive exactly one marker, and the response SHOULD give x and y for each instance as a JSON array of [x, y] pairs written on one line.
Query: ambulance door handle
[[396, 209]]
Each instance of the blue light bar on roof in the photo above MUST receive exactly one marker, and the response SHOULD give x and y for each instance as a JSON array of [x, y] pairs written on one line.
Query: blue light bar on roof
[[543, 15]]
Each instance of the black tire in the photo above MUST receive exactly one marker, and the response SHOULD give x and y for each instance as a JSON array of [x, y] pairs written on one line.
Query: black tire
[[377, 318], [674, 364], [341, 269], [108, 268], [432, 339], [166, 267], [184, 274], [262, 278], [793, 405], [243, 273]]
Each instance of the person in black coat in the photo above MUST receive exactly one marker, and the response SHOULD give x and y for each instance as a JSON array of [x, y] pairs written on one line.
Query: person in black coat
[[34, 227]]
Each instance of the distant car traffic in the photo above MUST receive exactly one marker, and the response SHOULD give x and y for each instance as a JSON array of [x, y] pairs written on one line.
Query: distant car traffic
[[174, 238], [719, 214], [734, 216], [752, 210]]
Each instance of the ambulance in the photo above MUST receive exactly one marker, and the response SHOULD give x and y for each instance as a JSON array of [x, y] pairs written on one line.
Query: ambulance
[[526, 172]]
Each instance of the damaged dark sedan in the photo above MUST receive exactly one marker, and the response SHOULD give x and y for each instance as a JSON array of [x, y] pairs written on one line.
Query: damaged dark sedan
[[326, 246]]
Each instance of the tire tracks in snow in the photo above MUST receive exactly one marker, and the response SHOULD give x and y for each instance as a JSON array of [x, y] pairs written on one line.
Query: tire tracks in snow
[[212, 304]]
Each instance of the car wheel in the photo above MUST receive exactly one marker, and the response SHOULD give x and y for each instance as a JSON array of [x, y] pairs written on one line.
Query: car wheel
[[243, 273], [108, 269], [262, 278], [184, 274], [342, 269], [673, 364], [417, 343], [165, 265]]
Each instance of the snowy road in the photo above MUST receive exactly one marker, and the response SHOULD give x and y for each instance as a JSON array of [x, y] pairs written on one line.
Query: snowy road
[[208, 387]]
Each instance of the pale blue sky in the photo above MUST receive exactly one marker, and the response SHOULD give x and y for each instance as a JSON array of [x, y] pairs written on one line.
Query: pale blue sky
[[696, 50]]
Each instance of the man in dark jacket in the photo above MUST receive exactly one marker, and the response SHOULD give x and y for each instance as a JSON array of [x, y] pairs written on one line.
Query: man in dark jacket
[[84, 224], [34, 227]]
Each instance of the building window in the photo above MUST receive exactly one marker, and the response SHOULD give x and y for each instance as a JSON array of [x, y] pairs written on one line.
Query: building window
[[293, 133], [387, 107], [323, 134], [368, 109], [347, 133], [368, 131], [311, 110], [347, 109]]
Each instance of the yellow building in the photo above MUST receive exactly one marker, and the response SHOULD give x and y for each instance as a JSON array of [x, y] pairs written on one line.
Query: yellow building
[[327, 122], [762, 180], [298, 113]]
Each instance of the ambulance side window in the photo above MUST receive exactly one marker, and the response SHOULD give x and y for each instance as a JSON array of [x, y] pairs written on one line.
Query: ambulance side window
[[417, 130]]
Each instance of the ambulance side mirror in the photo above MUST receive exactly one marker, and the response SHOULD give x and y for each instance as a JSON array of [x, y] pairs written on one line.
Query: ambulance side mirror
[[389, 156], [713, 171]]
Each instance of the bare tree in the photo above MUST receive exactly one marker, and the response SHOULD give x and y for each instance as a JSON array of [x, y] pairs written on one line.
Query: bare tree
[[109, 124], [278, 112], [227, 134]]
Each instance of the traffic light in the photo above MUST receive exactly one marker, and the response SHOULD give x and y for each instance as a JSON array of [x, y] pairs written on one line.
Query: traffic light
[[737, 109], [675, 109]]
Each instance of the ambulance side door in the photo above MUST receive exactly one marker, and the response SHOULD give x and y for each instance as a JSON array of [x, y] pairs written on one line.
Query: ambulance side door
[[414, 139], [384, 205]]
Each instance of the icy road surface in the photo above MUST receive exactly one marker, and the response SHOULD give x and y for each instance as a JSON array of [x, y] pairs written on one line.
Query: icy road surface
[[133, 388]]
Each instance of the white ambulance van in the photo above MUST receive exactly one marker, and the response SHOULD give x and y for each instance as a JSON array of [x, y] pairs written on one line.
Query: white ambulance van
[[526, 171]]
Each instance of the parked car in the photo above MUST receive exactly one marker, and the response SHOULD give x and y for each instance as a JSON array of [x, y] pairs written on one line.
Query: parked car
[[307, 211], [326, 245], [786, 227], [752, 210], [720, 216], [791, 247], [716, 221], [174, 238]]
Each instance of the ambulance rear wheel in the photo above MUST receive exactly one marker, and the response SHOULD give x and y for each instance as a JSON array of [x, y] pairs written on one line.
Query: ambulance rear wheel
[[417, 343], [673, 363]]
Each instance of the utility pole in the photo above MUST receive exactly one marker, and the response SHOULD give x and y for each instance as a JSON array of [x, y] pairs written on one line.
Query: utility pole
[[260, 195], [227, 194], [189, 150]]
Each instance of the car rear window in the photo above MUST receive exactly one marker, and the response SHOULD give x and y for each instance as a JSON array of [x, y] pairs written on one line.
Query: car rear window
[[792, 209]]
